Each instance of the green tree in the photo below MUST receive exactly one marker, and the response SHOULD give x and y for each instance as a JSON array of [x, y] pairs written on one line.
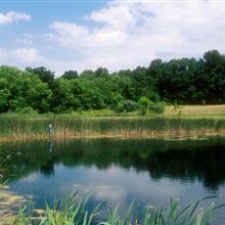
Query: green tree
[[116, 102], [30, 91], [4, 95], [101, 72], [63, 96], [214, 69], [70, 74], [87, 74], [126, 86], [45, 75], [88, 93]]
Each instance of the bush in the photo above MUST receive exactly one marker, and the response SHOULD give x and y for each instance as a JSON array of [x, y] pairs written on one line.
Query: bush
[[130, 106], [27, 110], [144, 103], [126, 106], [147, 106], [158, 107]]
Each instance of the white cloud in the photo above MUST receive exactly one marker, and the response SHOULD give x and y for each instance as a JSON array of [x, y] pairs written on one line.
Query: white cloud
[[26, 55], [11, 17], [27, 39], [127, 34], [68, 34], [20, 55], [116, 17]]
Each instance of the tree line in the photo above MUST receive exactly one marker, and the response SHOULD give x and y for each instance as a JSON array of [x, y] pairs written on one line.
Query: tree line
[[178, 81]]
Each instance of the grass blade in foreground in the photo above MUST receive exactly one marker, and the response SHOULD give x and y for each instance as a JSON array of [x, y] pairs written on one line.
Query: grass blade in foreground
[[77, 214], [174, 215]]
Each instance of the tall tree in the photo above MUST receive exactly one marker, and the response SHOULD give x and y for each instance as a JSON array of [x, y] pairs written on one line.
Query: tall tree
[[46, 76], [4, 95], [70, 74], [214, 67], [101, 72]]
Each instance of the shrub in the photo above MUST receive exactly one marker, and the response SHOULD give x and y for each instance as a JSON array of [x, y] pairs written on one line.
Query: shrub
[[147, 106], [126, 106], [130, 106], [143, 103], [26, 110], [158, 107]]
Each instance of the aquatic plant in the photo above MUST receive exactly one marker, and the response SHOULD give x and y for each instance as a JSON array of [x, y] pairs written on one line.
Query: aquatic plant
[[14, 127], [74, 212], [175, 215]]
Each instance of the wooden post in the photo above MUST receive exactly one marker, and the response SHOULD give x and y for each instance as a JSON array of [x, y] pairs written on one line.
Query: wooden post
[[50, 131]]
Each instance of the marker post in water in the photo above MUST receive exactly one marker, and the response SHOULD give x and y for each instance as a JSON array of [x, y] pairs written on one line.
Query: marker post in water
[[50, 130]]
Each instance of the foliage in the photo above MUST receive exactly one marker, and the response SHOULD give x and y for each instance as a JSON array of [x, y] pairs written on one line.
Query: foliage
[[71, 211], [157, 107], [126, 106], [190, 215], [74, 212], [178, 81], [26, 110], [144, 104], [71, 74], [147, 106]]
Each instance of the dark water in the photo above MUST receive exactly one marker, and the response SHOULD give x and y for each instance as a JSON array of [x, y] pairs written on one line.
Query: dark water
[[118, 171]]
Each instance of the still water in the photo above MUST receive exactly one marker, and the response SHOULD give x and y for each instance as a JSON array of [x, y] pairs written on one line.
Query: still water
[[117, 171]]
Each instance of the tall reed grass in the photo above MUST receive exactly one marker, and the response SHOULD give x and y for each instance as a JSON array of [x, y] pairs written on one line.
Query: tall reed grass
[[72, 212], [22, 127]]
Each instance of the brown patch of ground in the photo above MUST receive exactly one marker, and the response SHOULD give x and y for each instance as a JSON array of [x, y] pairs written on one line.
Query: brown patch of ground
[[9, 206]]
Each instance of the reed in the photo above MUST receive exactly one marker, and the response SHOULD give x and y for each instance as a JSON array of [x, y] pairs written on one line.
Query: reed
[[189, 215], [76, 213], [14, 127]]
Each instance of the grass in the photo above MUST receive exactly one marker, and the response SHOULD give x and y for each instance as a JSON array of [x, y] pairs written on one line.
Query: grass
[[196, 111], [74, 211], [181, 121]]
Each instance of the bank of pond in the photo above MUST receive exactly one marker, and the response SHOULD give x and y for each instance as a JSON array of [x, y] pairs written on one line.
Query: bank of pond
[[25, 127], [114, 181]]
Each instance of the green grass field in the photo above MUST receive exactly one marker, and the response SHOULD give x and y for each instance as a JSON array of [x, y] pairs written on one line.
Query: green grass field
[[202, 111], [187, 111]]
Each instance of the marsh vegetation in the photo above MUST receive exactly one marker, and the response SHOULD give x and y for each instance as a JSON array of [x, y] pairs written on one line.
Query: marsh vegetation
[[179, 121]]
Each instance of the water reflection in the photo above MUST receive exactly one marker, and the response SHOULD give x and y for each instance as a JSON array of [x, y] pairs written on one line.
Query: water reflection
[[47, 168], [117, 170], [186, 160]]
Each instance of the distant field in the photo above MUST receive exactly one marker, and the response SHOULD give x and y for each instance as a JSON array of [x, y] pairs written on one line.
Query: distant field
[[196, 111]]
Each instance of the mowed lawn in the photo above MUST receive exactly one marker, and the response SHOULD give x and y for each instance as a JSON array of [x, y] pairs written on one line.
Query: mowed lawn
[[196, 111]]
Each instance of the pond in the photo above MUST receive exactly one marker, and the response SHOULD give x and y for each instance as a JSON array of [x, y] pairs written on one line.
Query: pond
[[117, 171]]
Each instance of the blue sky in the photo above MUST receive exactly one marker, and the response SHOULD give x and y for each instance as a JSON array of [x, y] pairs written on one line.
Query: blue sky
[[79, 35]]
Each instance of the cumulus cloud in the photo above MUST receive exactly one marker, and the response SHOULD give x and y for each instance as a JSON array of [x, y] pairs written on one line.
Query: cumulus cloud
[[128, 34], [20, 55], [27, 55], [116, 17], [11, 17], [68, 34]]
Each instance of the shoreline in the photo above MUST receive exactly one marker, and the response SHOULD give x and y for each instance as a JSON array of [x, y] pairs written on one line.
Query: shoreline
[[120, 135]]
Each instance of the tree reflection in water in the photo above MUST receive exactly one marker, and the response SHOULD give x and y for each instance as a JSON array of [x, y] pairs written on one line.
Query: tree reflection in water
[[186, 160]]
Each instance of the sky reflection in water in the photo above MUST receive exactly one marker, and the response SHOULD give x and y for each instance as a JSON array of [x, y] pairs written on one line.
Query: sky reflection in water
[[119, 171]]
